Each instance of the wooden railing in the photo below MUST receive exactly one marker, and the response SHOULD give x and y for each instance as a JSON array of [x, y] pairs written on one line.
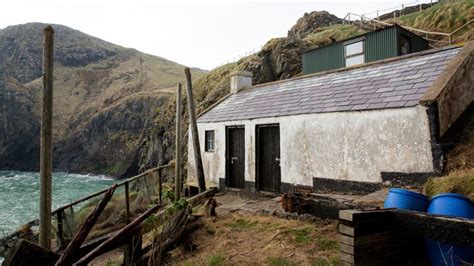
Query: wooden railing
[[60, 212], [444, 37]]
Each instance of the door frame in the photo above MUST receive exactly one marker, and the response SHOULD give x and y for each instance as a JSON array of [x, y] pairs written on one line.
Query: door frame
[[257, 152], [227, 151]]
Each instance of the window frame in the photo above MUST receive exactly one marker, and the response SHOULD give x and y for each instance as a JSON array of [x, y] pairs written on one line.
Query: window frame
[[403, 36], [361, 40], [207, 140]]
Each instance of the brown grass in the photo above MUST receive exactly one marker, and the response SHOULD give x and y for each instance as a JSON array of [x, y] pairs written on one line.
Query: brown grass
[[461, 182], [255, 240]]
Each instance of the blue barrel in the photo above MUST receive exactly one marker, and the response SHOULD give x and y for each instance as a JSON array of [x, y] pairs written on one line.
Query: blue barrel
[[442, 253], [406, 200]]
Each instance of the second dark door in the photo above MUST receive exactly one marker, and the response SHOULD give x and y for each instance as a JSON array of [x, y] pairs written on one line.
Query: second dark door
[[235, 157], [268, 157]]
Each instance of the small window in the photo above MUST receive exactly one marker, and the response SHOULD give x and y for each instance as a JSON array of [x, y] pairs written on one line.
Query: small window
[[354, 53], [209, 141], [405, 47]]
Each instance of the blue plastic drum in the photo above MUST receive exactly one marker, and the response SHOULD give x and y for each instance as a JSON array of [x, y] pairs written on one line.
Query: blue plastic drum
[[441, 253], [406, 200]]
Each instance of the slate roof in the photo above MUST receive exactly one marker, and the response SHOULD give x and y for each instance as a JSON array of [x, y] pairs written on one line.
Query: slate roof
[[392, 84]]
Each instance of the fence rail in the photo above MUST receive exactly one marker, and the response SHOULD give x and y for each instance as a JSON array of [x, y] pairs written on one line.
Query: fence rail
[[60, 214]]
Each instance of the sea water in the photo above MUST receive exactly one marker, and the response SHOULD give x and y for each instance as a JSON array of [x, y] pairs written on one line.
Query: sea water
[[19, 195]]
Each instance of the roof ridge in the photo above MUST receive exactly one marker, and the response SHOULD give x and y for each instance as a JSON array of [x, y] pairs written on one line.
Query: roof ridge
[[394, 83], [346, 69]]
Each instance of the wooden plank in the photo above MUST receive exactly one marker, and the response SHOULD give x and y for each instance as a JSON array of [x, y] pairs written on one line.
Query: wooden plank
[[177, 176], [60, 234], [363, 215], [448, 229], [381, 246], [27, 253], [72, 250], [383, 258], [90, 196], [369, 239], [118, 238], [194, 131], [367, 228], [46, 153], [346, 230]]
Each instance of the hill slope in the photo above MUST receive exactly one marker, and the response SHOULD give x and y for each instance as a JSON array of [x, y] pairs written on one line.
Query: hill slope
[[103, 97]]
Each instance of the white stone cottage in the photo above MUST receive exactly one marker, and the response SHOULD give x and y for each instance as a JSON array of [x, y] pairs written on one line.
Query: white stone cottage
[[351, 128]]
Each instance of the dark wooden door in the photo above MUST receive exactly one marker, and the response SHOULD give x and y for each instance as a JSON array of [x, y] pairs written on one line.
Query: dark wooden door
[[235, 157], [268, 157]]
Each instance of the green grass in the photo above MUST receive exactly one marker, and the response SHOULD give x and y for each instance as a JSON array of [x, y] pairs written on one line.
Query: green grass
[[276, 261], [336, 32], [301, 235], [210, 230], [325, 261], [216, 260], [457, 182], [327, 244], [243, 223], [445, 16]]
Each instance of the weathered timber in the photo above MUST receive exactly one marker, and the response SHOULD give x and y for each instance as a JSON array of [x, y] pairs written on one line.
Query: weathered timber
[[194, 132], [27, 253], [72, 250], [447, 229], [357, 216], [96, 243], [317, 205], [193, 201], [127, 202], [131, 179], [180, 225], [119, 238], [46, 153], [368, 239], [60, 233], [392, 236], [177, 177]]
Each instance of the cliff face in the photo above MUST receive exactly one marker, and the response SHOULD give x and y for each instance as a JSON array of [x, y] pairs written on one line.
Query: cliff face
[[105, 97], [310, 22]]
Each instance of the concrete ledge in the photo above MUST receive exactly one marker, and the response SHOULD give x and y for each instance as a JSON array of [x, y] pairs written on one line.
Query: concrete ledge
[[326, 185], [406, 179]]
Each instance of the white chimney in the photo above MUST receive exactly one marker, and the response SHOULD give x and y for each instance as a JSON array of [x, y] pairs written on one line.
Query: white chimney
[[240, 80]]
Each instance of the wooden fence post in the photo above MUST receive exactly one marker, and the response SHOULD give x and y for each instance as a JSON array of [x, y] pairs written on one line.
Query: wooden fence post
[[178, 144], [46, 163], [194, 131], [60, 234], [160, 187], [127, 202]]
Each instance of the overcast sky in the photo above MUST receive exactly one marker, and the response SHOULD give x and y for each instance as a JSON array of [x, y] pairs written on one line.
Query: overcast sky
[[197, 34]]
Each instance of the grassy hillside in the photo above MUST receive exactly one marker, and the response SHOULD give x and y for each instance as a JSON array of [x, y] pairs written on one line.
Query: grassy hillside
[[445, 16], [104, 99]]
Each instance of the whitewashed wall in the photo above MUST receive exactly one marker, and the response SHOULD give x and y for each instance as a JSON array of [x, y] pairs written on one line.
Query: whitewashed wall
[[354, 146]]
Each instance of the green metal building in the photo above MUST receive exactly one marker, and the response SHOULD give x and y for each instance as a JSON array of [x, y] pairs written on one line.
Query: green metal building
[[372, 46]]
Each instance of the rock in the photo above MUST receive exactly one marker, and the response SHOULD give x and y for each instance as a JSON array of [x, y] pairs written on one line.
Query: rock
[[310, 22]]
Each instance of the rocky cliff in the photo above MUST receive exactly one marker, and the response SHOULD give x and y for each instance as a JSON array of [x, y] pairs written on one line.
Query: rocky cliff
[[105, 98]]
